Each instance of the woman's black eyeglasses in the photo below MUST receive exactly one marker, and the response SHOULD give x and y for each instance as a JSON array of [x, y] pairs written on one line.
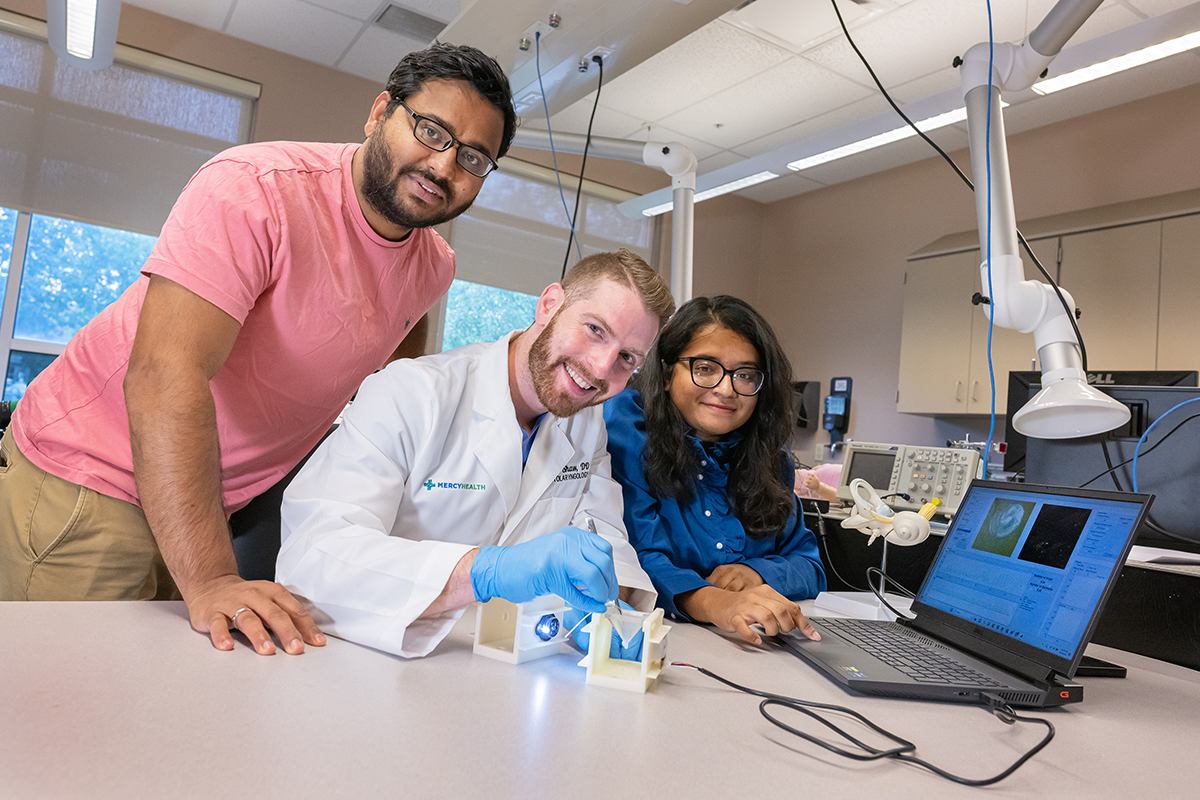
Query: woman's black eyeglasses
[[708, 374]]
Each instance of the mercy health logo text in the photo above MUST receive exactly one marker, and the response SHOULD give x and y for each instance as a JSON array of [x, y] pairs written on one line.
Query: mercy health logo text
[[574, 473], [430, 485]]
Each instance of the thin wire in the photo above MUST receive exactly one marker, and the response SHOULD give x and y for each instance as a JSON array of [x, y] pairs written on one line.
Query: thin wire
[[828, 556], [991, 292], [1147, 433], [587, 143], [885, 577], [904, 751], [957, 171], [537, 62]]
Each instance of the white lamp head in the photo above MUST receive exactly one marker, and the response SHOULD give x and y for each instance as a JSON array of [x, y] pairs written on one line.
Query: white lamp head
[[83, 33], [1067, 408]]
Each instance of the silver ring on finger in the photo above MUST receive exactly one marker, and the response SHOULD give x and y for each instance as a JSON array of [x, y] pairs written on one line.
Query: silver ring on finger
[[233, 619]]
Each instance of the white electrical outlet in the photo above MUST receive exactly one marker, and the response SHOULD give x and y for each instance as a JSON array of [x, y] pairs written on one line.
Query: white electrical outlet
[[605, 54], [538, 27]]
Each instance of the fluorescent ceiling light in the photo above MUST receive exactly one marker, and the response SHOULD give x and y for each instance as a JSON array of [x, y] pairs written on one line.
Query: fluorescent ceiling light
[[83, 33], [81, 27], [880, 139], [1112, 65], [716, 191]]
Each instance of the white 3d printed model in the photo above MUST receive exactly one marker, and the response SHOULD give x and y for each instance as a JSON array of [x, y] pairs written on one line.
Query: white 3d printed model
[[616, 673], [520, 632]]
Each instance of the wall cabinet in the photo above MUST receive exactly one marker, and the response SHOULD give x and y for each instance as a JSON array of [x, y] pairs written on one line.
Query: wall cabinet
[[1179, 295], [943, 348], [1113, 276], [1138, 286]]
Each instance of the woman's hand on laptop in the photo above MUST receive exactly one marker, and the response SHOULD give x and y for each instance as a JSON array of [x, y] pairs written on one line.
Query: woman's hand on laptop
[[735, 612]]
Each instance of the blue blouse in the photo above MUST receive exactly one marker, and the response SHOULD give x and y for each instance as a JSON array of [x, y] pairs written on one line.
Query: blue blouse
[[680, 545]]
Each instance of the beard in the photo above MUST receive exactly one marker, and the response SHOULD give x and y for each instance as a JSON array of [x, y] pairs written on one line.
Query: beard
[[544, 368], [381, 191]]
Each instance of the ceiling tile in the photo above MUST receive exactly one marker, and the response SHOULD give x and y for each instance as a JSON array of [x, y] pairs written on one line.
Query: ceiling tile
[[574, 119], [376, 52], [310, 32], [362, 10], [713, 58], [209, 14], [927, 86], [866, 108], [798, 25], [920, 38], [783, 95]]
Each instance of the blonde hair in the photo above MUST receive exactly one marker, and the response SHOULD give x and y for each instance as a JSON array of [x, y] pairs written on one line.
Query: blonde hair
[[627, 269]]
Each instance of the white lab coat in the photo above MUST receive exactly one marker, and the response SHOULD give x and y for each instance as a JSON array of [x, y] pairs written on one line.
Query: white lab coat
[[426, 466]]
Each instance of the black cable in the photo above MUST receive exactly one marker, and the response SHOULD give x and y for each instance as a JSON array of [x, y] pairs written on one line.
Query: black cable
[[583, 165], [1148, 520], [904, 751], [828, 557], [889, 579], [1020, 236], [1111, 468]]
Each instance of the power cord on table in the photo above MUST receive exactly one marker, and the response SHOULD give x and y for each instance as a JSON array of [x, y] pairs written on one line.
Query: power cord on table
[[903, 751]]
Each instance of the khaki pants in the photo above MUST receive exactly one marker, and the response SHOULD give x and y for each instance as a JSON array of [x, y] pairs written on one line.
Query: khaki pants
[[63, 541]]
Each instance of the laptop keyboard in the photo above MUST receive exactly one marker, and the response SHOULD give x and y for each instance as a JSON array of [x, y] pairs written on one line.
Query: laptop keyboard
[[910, 656]]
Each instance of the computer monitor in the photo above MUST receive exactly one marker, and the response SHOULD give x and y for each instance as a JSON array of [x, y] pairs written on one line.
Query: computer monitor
[[1019, 384], [1168, 462]]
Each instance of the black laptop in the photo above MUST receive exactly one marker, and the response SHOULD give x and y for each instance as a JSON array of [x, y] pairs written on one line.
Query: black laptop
[[1008, 606]]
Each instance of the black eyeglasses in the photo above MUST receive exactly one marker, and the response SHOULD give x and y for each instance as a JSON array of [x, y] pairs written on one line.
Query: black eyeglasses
[[708, 374], [435, 137]]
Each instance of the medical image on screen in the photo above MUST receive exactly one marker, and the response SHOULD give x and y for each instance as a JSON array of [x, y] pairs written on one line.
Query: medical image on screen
[[1054, 534], [1001, 529]]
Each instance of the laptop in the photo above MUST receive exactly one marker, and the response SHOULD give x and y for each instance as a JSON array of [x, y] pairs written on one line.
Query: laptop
[[1012, 597]]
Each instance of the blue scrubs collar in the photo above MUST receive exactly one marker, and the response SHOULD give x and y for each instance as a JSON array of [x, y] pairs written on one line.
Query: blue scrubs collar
[[527, 439]]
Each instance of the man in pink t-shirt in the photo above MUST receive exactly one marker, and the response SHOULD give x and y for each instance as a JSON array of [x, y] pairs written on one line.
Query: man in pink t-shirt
[[285, 274]]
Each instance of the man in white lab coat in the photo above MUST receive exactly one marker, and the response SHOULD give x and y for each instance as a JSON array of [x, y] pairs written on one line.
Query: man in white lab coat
[[478, 472]]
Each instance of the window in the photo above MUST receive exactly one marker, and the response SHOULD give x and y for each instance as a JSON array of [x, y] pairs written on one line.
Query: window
[[66, 273], [113, 147], [511, 245], [479, 313]]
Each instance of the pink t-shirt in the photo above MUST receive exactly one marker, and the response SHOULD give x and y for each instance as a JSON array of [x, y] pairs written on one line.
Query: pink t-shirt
[[273, 235]]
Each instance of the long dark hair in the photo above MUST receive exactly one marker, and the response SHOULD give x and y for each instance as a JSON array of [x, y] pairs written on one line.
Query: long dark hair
[[756, 494]]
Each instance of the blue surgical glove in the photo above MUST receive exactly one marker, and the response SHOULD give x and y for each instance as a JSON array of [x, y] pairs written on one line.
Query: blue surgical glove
[[571, 563], [572, 619]]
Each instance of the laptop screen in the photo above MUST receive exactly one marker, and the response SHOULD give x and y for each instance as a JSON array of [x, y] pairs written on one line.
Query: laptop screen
[[1032, 563]]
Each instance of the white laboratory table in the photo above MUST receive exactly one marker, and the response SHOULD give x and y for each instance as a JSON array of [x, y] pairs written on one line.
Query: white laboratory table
[[107, 700]]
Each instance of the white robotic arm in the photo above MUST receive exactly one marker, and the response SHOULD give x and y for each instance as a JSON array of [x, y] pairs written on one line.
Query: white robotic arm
[[1066, 407]]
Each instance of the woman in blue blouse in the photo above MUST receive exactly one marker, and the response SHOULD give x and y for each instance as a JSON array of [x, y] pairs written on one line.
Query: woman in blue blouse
[[699, 452]]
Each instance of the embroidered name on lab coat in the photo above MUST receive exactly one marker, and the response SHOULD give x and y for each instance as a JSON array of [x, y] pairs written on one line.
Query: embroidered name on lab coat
[[574, 473]]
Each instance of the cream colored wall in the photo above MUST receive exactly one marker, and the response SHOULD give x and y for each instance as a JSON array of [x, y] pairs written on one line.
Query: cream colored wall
[[832, 262]]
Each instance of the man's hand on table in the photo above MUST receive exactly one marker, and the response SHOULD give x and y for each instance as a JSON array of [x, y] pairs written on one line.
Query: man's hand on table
[[260, 606]]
